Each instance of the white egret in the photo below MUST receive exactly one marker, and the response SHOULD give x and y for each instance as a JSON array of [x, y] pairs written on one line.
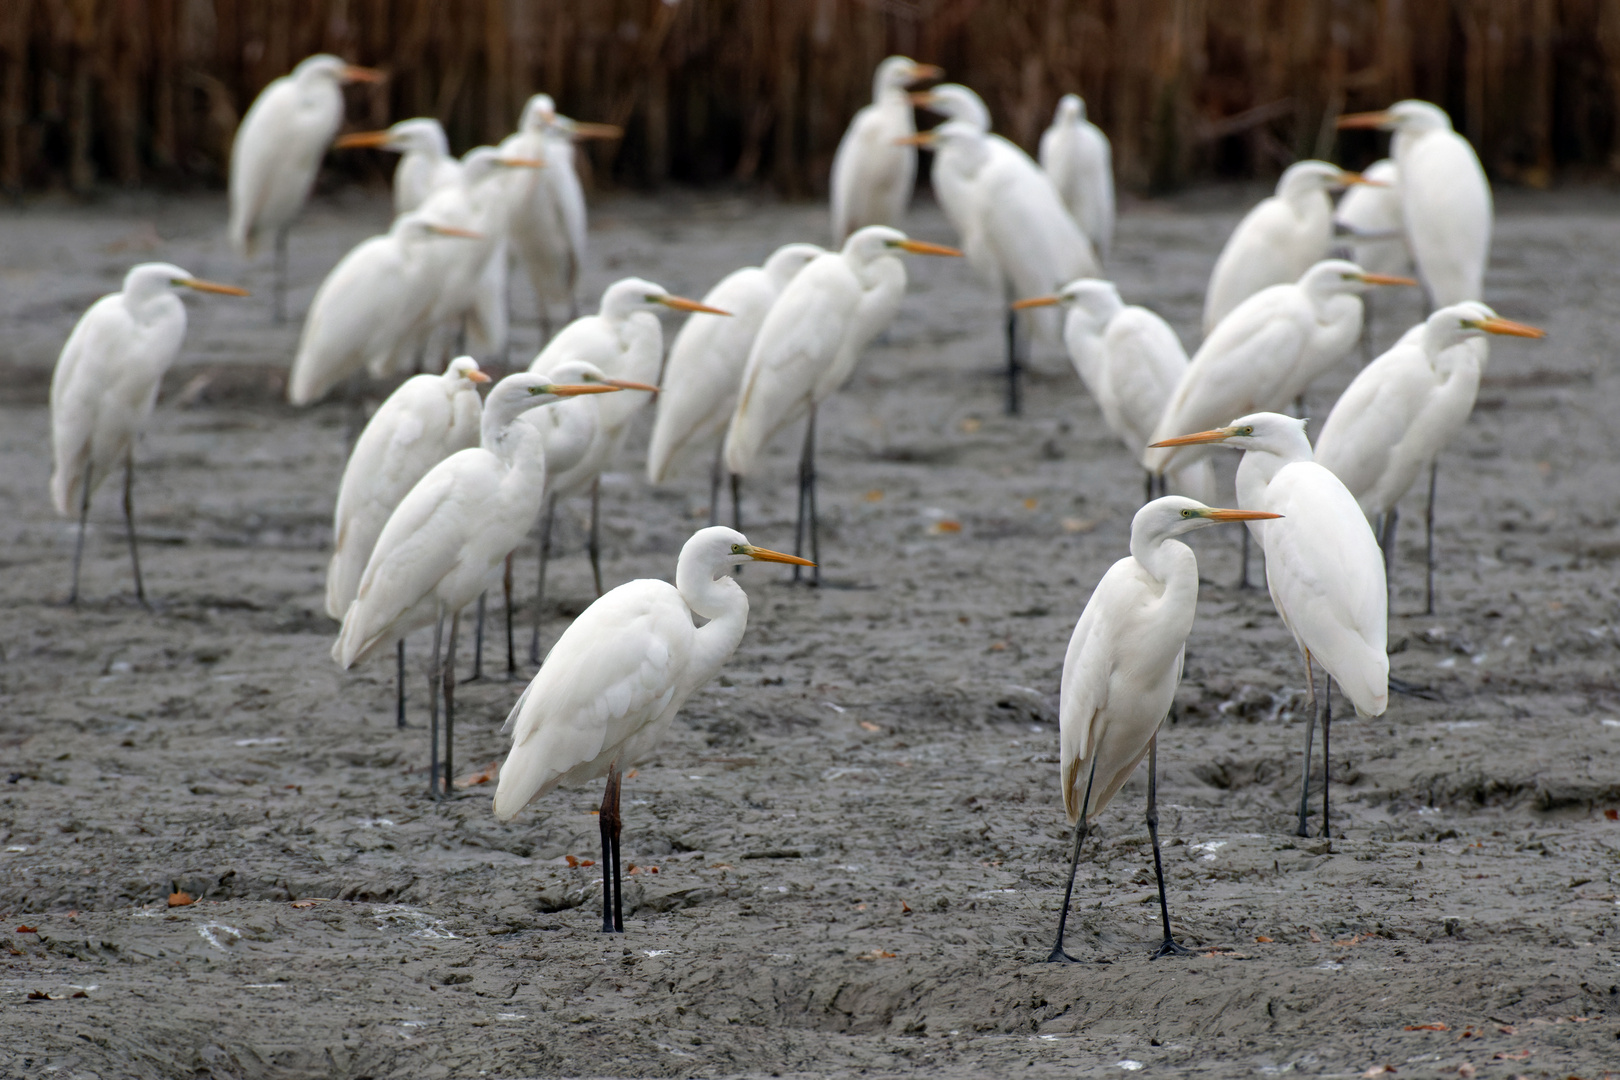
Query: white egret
[[424, 421], [1121, 672], [808, 346], [1323, 570], [1131, 362], [872, 173], [615, 679], [104, 386], [277, 152], [425, 165], [547, 223], [1445, 198], [705, 366], [1077, 156], [1278, 240], [1393, 420], [373, 306], [1368, 221], [1013, 226], [446, 541]]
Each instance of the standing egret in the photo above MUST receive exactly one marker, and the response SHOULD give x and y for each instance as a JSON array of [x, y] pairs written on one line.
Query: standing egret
[[615, 679], [424, 421], [1077, 156], [1013, 226], [1368, 220], [1323, 569], [808, 346], [425, 165], [1121, 672], [1278, 240], [373, 306], [706, 362], [547, 223], [278, 150], [1131, 362], [446, 541], [872, 172], [104, 386], [1445, 198], [1393, 420]]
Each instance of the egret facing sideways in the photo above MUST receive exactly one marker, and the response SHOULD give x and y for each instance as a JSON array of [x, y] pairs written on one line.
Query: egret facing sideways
[[1131, 362], [1368, 221], [1278, 240], [103, 389], [1077, 156], [1393, 420], [615, 679], [1121, 673], [705, 366], [277, 152], [446, 541], [1445, 198], [872, 174], [807, 348], [424, 421], [1323, 569], [425, 164]]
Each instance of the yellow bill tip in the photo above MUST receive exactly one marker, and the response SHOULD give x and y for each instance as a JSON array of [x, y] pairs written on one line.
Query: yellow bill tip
[[1035, 302]]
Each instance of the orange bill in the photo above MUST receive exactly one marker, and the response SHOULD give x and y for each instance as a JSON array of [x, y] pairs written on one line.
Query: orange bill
[[477, 376], [1240, 515], [767, 555], [522, 163], [212, 286], [583, 130], [354, 73], [1387, 279], [920, 72], [575, 390], [626, 384], [1364, 119], [921, 98], [921, 138], [1211, 436], [1508, 326], [923, 247], [1036, 301], [1356, 178], [681, 303], [452, 230], [362, 138]]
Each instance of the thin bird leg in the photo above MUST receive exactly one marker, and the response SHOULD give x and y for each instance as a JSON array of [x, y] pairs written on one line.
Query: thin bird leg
[[78, 546], [736, 502], [1168, 946], [1147, 495], [399, 683], [478, 642], [805, 454], [511, 650], [596, 533], [1305, 769], [1081, 827], [433, 709], [618, 883], [540, 593], [1386, 540], [1014, 367], [1243, 574], [1327, 760], [129, 526], [450, 704], [1366, 330], [280, 309], [1428, 539], [810, 497], [607, 821], [714, 484]]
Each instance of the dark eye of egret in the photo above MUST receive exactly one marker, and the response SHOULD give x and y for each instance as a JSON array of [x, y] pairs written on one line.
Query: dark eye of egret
[[738, 549], [536, 391], [1246, 430], [1186, 513]]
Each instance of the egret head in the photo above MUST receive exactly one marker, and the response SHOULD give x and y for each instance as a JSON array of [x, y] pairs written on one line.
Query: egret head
[[145, 279], [1311, 176], [585, 373], [539, 112], [955, 102], [413, 226], [874, 241], [1335, 276], [336, 69], [1093, 301], [1267, 432], [1175, 515], [724, 548], [1450, 325], [899, 72], [1410, 116], [462, 371], [627, 296], [1071, 109], [786, 262], [421, 134]]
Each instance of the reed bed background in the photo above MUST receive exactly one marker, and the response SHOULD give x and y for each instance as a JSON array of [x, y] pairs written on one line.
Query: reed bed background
[[133, 92]]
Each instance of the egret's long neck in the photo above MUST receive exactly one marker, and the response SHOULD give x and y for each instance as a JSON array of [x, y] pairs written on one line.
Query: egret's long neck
[[1170, 561], [721, 601], [1260, 466]]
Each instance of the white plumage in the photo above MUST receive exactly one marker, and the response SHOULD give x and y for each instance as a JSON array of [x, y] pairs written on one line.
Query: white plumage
[[425, 164], [1077, 156], [872, 173], [1373, 210]]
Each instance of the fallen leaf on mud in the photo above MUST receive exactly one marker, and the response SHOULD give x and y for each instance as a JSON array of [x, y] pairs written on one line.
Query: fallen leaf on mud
[[1508, 1029], [721, 866], [970, 424], [309, 902], [1030, 504], [26, 930], [869, 726], [1349, 941], [180, 899], [998, 646], [1428, 1027], [1511, 1055], [39, 995], [1078, 525], [1612, 815], [79, 993], [1316, 937], [946, 526], [1466, 1071], [905, 908], [574, 863], [874, 495], [1262, 939], [634, 869], [632, 774], [1378, 1070], [1228, 954], [482, 776], [876, 954]]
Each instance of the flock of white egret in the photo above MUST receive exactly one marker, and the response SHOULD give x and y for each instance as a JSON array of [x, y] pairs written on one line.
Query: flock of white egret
[[443, 485]]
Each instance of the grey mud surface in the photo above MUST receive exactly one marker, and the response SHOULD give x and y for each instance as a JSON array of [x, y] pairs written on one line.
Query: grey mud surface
[[857, 832]]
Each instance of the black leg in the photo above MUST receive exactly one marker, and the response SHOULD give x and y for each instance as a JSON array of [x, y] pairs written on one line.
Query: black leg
[[506, 587], [1014, 367], [1168, 946], [1057, 955], [434, 676], [608, 823], [810, 496], [450, 706], [1386, 540], [540, 592], [714, 484], [1366, 330], [1243, 574], [78, 546], [1147, 495], [596, 533], [129, 526], [806, 468], [736, 502], [399, 683], [1327, 759], [478, 642], [1305, 768], [618, 884], [280, 299], [1428, 539]]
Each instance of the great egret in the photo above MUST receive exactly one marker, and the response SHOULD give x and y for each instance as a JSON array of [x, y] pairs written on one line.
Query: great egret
[[424, 421], [1077, 156], [104, 386], [426, 163], [1131, 362], [547, 222], [1121, 672], [1323, 569], [705, 366], [446, 541], [1393, 420], [615, 679], [872, 174], [1367, 219], [1445, 198], [1278, 240], [278, 150], [1013, 225], [373, 306], [808, 346]]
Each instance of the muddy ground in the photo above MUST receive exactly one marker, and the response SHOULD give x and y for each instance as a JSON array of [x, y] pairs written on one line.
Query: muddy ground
[[857, 832]]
